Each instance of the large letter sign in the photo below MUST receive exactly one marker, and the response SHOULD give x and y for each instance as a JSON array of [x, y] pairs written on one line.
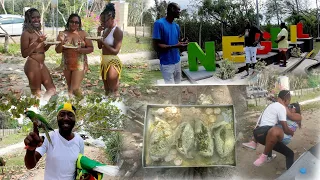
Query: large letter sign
[[266, 44], [274, 35], [228, 49], [293, 33], [207, 59], [300, 31]]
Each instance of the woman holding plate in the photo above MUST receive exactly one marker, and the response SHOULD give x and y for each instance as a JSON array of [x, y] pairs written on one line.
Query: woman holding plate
[[74, 48], [110, 44], [33, 48]]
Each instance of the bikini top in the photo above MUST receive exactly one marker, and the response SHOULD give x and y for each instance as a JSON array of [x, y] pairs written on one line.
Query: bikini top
[[110, 39]]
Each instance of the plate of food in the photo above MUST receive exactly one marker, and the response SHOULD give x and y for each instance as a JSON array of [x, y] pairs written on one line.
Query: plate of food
[[52, 41], [70, 46], [94, 38]]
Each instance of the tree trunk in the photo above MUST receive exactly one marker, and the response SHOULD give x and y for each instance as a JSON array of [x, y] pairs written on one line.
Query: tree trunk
[[317, 8], [3, 7], [81, 8], [200, 32], [44, 9], [297, 6], [277, 10], [64, 20], [221, 30], [6, 43]]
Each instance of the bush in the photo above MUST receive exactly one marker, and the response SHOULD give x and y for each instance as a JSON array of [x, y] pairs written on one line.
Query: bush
[[227, 70], [89, 23]]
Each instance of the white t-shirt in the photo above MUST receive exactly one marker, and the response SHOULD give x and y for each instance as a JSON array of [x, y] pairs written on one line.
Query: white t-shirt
[[61, 158], [272, 114]]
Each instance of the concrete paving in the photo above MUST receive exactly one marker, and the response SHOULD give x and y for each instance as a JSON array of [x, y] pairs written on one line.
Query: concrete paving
[[301, 69]]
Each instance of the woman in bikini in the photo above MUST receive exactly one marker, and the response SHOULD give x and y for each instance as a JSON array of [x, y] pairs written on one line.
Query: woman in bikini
[[33, 48], [110, 44], [74, 59]]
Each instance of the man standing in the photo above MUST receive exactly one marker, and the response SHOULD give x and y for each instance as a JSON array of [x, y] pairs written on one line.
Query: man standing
[[62, 156], [250, 44], [166, 42], [270, 135]]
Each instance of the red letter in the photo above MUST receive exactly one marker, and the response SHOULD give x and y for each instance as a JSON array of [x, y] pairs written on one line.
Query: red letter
[[267, 44], [300, 31]]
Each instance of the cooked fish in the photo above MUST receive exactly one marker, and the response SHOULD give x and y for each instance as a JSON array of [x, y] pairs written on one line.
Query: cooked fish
[[203, 139], [184, 138], [161, 139], [224, 144]]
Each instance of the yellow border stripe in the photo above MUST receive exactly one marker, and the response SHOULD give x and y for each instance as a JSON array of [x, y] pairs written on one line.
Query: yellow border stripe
[[310, 53]]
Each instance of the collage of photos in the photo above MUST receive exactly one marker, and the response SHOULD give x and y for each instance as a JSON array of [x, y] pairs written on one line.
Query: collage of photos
[[158, 89]]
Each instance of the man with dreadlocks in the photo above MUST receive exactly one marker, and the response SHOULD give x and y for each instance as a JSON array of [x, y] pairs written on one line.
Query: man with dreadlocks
[[33, 48], [110, 44]]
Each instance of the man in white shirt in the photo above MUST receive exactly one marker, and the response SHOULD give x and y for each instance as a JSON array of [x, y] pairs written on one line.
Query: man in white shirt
[[270, 135], [62, 156]]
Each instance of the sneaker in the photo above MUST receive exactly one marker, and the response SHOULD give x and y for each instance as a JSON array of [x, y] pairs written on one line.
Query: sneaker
[[269, 159], [243, 77], [251, 145], [261, 160]]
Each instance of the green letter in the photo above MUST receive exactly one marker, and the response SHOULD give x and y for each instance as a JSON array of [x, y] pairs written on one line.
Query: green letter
[[208, 59], [274, 35]]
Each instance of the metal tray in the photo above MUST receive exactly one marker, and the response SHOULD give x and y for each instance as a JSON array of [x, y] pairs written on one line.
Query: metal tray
[[147, 124]]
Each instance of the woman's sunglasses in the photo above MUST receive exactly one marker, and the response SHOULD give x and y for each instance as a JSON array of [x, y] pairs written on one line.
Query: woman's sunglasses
[[74, 22]]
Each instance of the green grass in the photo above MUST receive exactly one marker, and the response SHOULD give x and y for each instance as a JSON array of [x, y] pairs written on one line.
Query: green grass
[[15, 159], [316, 48], [305, 96], [252, 107], [12, 139], [13, 50], [129, 44], [133, 75], [311, 106]]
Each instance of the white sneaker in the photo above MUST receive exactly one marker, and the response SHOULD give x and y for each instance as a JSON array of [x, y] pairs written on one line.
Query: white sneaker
[[269, 159]]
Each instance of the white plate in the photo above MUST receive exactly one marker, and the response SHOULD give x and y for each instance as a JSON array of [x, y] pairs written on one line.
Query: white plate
[[70, 47], [94, 38]]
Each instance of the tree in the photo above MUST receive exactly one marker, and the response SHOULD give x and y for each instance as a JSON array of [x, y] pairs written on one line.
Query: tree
[[136, 11], [3, 6], [275, 8]]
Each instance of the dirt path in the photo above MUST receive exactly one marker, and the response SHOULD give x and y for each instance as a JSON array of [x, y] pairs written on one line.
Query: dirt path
[[11, 148]]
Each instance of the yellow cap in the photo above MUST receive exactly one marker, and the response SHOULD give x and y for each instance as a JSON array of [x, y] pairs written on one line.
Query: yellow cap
[[67, 107]]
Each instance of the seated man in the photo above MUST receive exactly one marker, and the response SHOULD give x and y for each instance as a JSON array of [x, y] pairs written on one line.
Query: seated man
[[270, 135]]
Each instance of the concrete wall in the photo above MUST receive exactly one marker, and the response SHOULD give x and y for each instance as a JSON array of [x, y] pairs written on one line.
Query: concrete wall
[[121, 13]]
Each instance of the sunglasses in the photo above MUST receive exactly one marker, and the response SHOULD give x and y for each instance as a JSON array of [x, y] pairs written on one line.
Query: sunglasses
[[74, 22], [291, 107]]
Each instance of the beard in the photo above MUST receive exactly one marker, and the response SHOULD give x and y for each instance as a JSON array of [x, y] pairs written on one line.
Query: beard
[[65, 127]]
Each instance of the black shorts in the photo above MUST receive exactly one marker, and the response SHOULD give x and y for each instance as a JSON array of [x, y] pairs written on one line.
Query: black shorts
[[260, 133]]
